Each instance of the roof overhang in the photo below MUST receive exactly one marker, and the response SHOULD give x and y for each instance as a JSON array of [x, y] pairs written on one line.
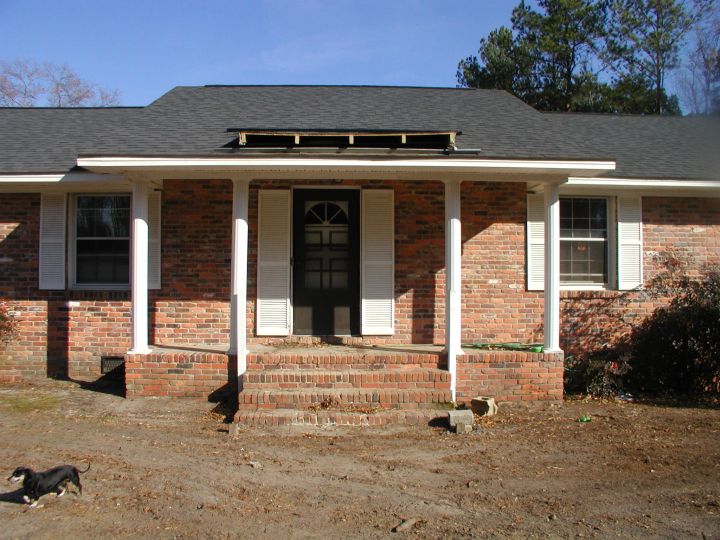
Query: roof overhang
[[70, 181], [643, 186], [437, 168]]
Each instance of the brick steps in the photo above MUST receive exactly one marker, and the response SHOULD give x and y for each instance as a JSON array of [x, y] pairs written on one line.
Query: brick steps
[[356, 389], [408, 378], [391, 398], [283, 417]]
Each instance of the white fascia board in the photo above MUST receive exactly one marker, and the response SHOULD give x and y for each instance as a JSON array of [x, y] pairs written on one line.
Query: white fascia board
[[362, 165], [642, 186], [35, 183], [30, 178]]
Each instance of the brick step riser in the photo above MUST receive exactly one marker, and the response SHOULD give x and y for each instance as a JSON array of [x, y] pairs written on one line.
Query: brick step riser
[[336, 418], [407, 399], [309, 407], [295, 379], [345, 386], [295, 361]]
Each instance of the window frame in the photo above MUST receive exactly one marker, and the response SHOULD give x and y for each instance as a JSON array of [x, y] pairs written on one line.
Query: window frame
[[72, 241], [611, 283]]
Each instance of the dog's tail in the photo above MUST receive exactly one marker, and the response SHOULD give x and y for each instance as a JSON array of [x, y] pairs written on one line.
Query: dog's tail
[[86, 470]]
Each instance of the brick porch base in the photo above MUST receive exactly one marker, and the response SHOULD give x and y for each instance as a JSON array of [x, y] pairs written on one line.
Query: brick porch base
[[346, 385], [179, 373]]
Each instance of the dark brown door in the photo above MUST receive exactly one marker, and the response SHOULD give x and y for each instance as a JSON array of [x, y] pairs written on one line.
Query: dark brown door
[[326, 254]]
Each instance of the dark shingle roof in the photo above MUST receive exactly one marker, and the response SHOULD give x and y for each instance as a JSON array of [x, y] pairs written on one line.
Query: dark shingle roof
[[648, 146], [38, 140], [195, 120]]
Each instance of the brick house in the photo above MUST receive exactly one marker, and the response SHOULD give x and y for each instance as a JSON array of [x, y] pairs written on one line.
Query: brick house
[[336, 244]]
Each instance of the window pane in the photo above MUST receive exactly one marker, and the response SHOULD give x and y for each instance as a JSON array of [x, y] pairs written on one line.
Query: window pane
[[581, 208], [103, 216], [339, 239], [313, 280], [313, 239], [338, 280], [583, 262], [102, 239]]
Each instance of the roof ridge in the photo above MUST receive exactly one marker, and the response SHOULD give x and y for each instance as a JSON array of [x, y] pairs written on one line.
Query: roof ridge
[[619, 115], [401, 87]]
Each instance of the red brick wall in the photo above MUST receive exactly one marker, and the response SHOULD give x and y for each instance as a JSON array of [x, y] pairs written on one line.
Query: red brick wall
[[496, 305], [192, 308], [689, 227], [510, 376], [199, 375], [68, 331], [59, 332]]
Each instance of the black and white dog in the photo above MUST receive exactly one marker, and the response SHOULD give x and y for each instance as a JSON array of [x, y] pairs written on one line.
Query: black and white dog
[[37, 484]]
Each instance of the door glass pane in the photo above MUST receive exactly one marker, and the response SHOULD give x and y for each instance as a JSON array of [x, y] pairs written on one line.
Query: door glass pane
[[326, 235]]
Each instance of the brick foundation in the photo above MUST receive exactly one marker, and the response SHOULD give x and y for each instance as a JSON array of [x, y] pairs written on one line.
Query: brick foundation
[[510, 376], [180, 374]]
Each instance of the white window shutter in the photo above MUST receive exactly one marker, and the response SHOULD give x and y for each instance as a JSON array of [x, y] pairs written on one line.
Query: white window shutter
[[154, 231], [378, 256], [53, 213], [273, 268], [629, 239], [535, 242]]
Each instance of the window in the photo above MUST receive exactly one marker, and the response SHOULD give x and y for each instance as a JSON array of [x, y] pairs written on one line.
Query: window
[[102, 240], [584, 241], [601, 242]]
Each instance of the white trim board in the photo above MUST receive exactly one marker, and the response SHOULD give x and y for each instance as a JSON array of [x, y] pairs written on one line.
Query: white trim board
[[73, 181], [559, 168], [643, 187]]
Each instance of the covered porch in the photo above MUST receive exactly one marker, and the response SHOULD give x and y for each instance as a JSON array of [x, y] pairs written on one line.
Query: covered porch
[[244, 353]]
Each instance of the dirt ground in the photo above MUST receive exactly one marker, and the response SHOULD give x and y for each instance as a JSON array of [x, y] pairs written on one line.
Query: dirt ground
[[166, 468]]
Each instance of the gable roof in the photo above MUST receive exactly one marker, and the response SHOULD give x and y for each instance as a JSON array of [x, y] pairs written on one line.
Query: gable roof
[[195, 121]]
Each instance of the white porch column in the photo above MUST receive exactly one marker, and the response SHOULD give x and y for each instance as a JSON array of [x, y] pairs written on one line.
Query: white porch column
[[238, 298], [453, 275], [552, 268], [139, 271]]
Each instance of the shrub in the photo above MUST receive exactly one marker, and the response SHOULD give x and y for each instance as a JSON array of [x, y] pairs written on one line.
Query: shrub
[[677, 348], [599, 374], [8, 324]]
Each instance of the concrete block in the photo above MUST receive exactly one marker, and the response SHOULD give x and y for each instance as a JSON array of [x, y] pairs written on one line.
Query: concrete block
[[463, 428], [460, 416], [484, 406]]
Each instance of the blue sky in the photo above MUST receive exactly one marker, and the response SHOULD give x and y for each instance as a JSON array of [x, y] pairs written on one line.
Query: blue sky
[[144, 48]]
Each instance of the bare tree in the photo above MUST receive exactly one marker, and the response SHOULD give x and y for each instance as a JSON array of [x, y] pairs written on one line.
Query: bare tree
[[21, 83], [698, 81], [25, 83]]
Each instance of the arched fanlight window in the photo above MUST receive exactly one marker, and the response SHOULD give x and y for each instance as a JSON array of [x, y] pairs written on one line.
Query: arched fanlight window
[[326, 213]]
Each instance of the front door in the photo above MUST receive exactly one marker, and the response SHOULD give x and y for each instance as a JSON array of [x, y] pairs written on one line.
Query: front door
[[326, 254]]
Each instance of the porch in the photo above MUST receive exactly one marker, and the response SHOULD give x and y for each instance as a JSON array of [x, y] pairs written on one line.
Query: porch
[[410, 204]]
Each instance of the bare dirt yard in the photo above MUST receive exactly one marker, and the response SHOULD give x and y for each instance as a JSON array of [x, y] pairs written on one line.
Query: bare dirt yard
[[166, 468]]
